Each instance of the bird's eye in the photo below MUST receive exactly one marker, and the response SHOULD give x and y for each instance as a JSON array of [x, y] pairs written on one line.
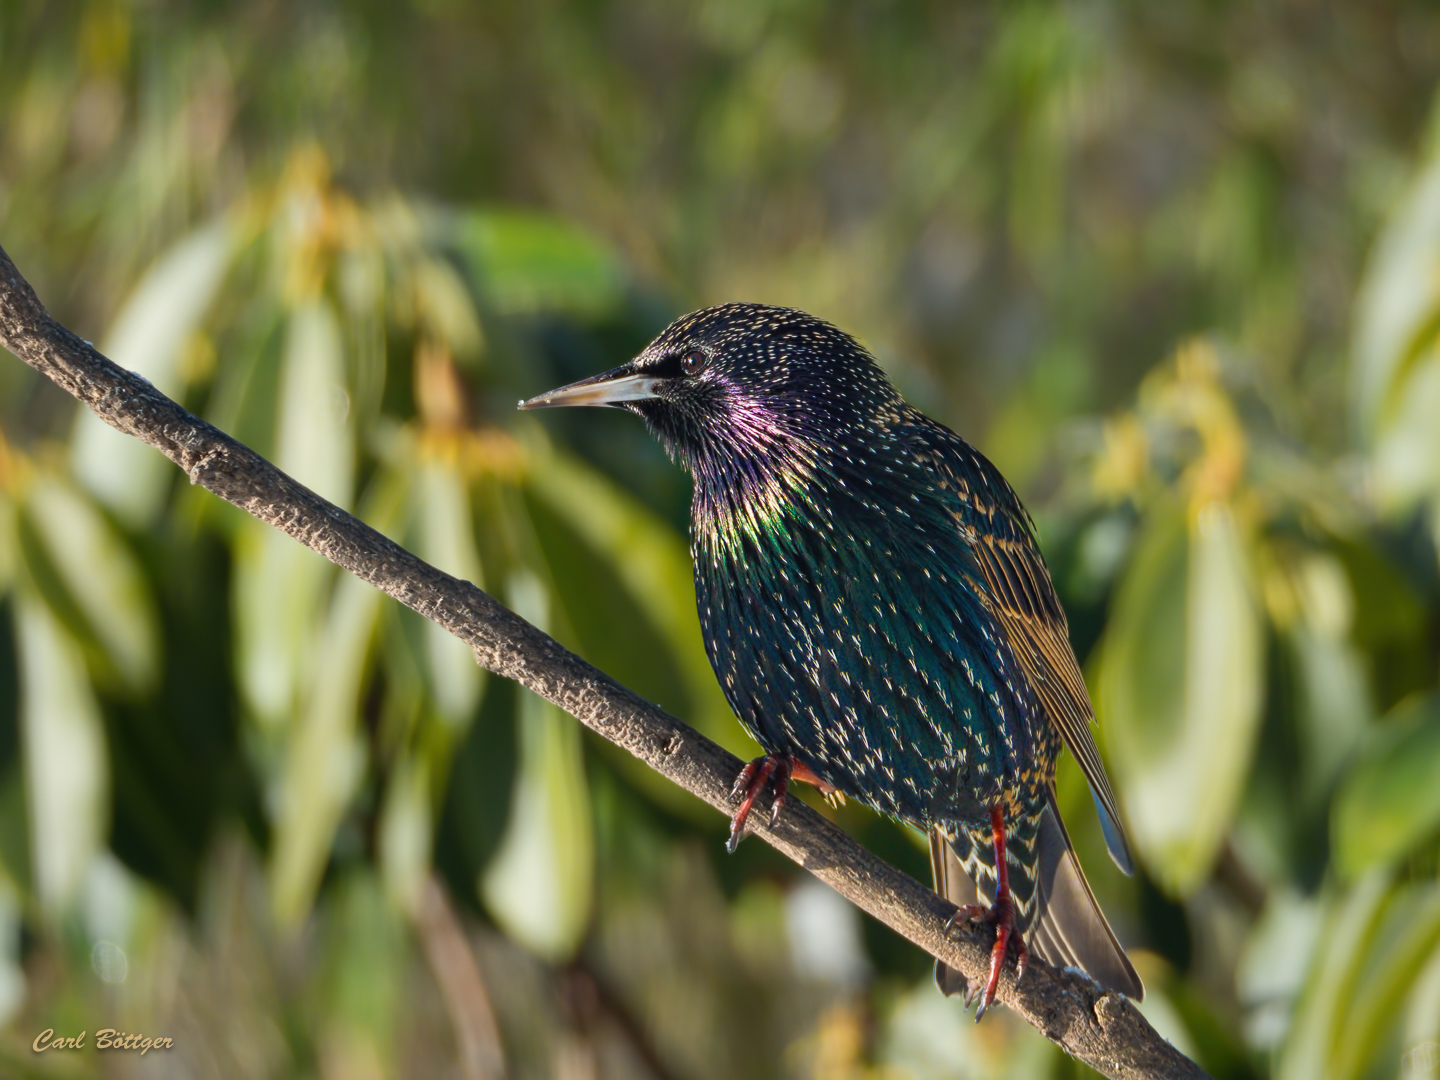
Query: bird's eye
[[693, 362]]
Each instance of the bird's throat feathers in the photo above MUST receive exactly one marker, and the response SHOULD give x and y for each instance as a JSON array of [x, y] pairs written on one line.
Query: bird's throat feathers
[[752, 474], [770, 476]]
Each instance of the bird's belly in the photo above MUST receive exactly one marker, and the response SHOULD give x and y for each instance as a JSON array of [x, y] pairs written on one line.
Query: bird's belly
[[909, 724]]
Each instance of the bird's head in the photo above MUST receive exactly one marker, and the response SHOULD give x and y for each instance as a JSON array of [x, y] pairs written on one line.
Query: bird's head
[[741, 379]]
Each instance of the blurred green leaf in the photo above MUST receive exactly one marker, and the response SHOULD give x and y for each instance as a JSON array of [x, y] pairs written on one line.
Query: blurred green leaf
[[1334, 707], [1375, 941], [1274, 963], [1397, 305], [1406, 455], [1179, 689], [101, 580], [1390, 800], [1394, 958], [444, 307], [64, 746], [324, 756], [315, 438], [1330, 980], [365, 955], [1421, 1034], [441, 511], [149, 336], [653, 562], [279, 583], [12, 974], [540, 883], [277, 588], [529, 262], [406, 832]]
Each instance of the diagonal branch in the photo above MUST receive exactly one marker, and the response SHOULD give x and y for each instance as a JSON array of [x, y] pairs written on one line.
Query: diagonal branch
[[1102, 1029]]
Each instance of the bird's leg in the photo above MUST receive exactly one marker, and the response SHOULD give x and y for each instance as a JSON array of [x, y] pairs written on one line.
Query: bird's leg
[[749, 785], [781, 769], [1000, 915]]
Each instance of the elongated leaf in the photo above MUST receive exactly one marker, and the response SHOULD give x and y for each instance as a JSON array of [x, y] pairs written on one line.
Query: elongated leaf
[[445, 538], [654, 564], [315, 440], [278, 583], [1398, 300], [149, 336], [277, 588], [361, 995], [1180, 687], [1373, 948], [12, 975], [406, 832], [64, 747], [1391, 799], [1393, 961], [446, 308], [1422, 1022], [1335, 695], [1276, 959], [1349, 923], [9, 540], [528, 262], [325, 755], [539, 885], [100, 577], [1406, 458]]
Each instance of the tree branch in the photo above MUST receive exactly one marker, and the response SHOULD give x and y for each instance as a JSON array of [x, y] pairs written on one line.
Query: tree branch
[[1100, 1028]]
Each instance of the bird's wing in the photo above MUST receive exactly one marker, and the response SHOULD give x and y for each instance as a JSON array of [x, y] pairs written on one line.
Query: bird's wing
[[1022, 599]]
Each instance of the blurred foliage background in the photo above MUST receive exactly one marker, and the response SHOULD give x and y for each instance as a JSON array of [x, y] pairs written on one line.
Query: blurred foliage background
[[1175, 267]]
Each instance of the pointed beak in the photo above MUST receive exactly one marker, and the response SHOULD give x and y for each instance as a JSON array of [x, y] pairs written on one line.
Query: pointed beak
[[608, 388]]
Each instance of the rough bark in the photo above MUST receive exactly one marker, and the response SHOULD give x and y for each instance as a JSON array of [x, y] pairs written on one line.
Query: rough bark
[[1100, 1028]]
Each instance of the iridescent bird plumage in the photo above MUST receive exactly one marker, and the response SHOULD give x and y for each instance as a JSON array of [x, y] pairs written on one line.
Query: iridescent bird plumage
[[878, 613]]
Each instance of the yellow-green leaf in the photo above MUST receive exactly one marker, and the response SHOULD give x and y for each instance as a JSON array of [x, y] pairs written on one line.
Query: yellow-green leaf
[[653, 562], [1179, 692], [64, 745], [1398, 302], [325, 755], [1372, 949], [406, 832], [277, 589], [315, 440], [1390, 801], [149, 336], [528, 262], [539, 885], [445, 539], [100, 578]]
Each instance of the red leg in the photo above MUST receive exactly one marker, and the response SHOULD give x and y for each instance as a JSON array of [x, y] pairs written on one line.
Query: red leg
[[749, 785], [1000, 915]]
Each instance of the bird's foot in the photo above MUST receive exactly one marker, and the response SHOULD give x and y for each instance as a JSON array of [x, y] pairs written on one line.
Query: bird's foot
[[751, 783], [778, 769], [1001, 916]]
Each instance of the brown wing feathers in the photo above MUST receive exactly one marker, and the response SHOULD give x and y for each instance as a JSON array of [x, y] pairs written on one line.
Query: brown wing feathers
[[1025, 604]]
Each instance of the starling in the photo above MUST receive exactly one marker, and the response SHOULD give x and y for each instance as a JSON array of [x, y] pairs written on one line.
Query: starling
[[880, 617]]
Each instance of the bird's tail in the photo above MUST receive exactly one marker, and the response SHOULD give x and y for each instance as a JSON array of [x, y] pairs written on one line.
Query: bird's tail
[[1065, 927]]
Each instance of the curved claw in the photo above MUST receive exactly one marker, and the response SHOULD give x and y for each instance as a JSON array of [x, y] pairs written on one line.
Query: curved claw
[[1001, 916], [750, 784]]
